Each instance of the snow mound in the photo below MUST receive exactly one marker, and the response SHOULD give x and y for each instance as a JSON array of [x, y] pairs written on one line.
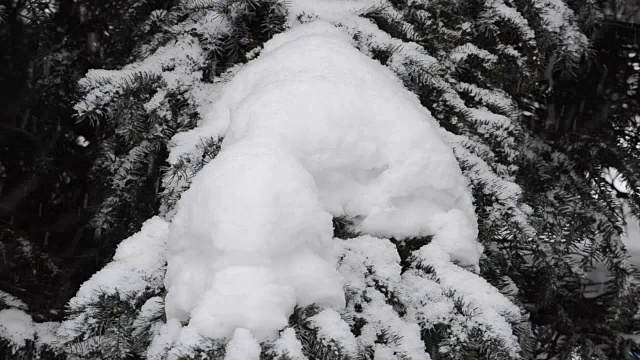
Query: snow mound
[[246, 245], [18, 327], [289, 345], [243, 346], [312, 129]]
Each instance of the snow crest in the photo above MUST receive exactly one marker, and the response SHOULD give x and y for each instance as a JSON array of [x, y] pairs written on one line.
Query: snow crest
[[313, 129]]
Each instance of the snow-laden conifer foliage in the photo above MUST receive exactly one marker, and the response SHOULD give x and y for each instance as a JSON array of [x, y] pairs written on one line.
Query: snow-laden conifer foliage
[[314, 130], [343, 180]]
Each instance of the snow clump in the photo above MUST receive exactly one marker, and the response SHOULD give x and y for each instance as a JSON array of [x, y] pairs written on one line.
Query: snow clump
[[313, 129]]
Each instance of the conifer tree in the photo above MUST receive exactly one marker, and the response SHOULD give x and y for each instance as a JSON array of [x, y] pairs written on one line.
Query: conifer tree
[[494, 74]]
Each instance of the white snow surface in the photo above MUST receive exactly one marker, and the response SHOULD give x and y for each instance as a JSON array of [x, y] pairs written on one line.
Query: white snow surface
[[312, 129], [182, 55], [243, 346], [134, 266], [289, 345], [165, 336], [367, 261], [137, 264], [492, 310], [18, 327], [331, 327], [12, 301]]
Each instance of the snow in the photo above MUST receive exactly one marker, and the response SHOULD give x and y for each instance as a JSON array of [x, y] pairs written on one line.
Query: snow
[[371, 267], [174, 63], [381, 316], [178, 63], [382, 352], [490, 97], [498, 9], [243, 346], [312, 129], [243, 296], [561, 24], [507, 193], [151, 307], [366, 156], [11, 301], [18, 327], [288, 345], [165, 336], [46, 333], [409, 59], [491, 308], [147, 320], [368, 262], [187, 343], [369, 254], [257, 250], [136, 266], [331, 327]]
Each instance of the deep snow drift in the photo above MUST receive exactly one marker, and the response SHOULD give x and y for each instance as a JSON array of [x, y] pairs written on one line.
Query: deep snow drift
[[313, 130]]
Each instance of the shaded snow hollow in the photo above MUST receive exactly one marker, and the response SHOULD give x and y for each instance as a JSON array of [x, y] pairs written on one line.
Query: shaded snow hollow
[[313, 129]]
